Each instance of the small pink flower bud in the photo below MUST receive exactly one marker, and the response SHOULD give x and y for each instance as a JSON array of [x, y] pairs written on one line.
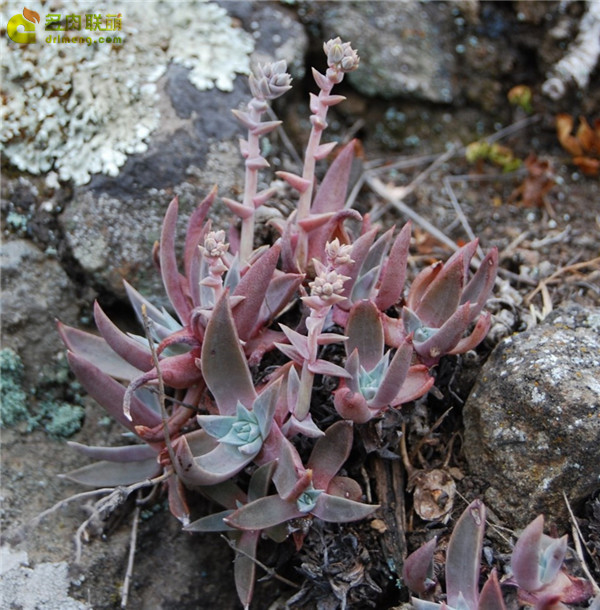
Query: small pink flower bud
[[214, 244], [340, 55], [328, 284], [338, 254]]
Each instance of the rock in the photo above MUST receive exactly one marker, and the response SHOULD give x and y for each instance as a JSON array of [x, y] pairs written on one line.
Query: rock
[[532, 421], [402, 52], [35, 292]]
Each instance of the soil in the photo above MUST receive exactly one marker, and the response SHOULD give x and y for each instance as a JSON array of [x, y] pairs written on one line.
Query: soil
[[549, 235]]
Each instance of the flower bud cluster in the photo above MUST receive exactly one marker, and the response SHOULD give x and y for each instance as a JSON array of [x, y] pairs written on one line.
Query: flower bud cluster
[[214, 244], [328, 284], [338, 254], [270, 81], [340, 55]]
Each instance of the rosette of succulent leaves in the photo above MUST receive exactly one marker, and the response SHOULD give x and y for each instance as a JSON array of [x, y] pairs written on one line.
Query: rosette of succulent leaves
[[188, 396]]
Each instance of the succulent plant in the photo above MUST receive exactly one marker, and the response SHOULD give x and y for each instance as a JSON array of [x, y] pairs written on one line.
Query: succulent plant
[[536, 565], [187, 389]]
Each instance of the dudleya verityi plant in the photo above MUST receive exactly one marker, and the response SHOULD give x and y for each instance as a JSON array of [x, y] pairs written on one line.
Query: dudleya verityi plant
[[217, 421], [537, 570]]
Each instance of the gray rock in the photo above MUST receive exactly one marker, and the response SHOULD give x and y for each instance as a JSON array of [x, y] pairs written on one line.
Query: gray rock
[[35, 292], [400, 45], [532, 421]]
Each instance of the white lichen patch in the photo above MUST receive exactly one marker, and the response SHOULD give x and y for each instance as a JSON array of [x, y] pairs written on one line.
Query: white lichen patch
[[79, 108]]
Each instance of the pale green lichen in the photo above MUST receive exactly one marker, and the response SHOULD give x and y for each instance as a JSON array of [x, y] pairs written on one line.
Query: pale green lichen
[[13, 399], [81, 109]]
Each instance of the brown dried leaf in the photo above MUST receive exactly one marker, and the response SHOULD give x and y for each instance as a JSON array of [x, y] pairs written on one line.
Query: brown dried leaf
[[564, 127], [587, 165], [434, 493], [585, 134], [536, 185]]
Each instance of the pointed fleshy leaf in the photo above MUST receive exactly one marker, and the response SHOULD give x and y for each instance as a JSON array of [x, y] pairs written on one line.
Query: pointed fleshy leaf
[[417, 571], [423, 604], [478, 334], [253, 286], [263, 513], [393, 378], [295, 181], [131, 350], [168, 264], [223, 362], [289, 468], [315, 221], [325, 149], [394, 274], [290, 352], [420, 284], [216, 425], [113, 474], [96, 350], [300, 342], [353, 367], [244, 566], [127, 453], [110, 394], [196, 228], [480, 285], [445, 338], [216, 466], [463, 557], [260, 481], [306, 427], [552, 558], [360, 249], [324, 367], [329, 453], [365, 333], [341, 510], [331, 195], [417, 383], [265, 127], [280, 294], [491, 594], [239, 209], [264, 407]]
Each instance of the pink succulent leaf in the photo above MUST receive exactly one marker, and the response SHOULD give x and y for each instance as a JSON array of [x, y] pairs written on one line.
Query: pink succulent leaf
[[476, 336], [364, 285], [420, 284], [196, 229], [216, 466], [264, 407], [168, 264], [365, 334], [345, 487], [417, 571], [526, 555], [422, 604], [393, 276], [177, 501], [577, 590], [443, 294], [291, 352], [264, 513], [393, 377], [260, 481], [377, 252], [244, 565], [315, 221], [131, 350], [324, 367], [490, 597], [325, 149], [360, 250], [432, 343], [223, 362], [329, 338], [464, 556], [298, 341], [96, 350], [331, 195], [289, 471], [552, 557], [239, 209], [341, 510], [127, 453], [110, 394], [417, 383], [295, 181], [352, 365], [306, 427], [352, 405], [163, 323], [253, 286], [280, 293], [211, 523], [113, 474], [330, 452], [481, 284]]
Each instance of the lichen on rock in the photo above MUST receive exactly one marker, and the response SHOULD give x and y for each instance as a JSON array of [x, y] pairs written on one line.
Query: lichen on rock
[[81, 109]]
